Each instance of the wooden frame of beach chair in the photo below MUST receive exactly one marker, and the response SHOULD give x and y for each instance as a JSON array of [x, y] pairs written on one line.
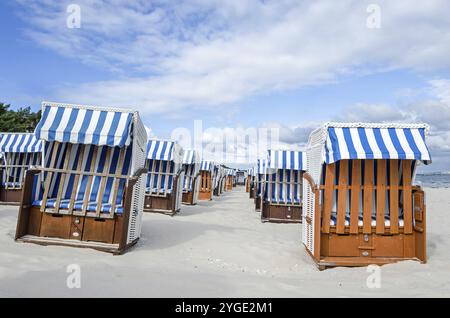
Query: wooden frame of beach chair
[[164, 190], [18, 153], [191, 184], [260, 178], [89, 190], [229, 180], [219, 180], [206, 181], [283, 187], [360, 204]]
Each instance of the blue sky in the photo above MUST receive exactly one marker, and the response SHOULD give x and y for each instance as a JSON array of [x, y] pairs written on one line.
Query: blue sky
[[286, 64]]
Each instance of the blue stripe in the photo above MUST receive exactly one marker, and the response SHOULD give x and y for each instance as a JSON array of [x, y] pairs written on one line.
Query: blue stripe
[[412, 143], [85, 126], [349, 141], [365, 143], [380, 143], [69, 127], [334, 144], [398, 147], [55, 123], [43, 120]]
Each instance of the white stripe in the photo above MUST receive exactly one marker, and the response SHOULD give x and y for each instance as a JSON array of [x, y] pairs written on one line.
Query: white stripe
[[92, 125], [105, 130], [420, 143], [361, 154], [393, 154], [50, 119], [343, 150], [77, 126], [120, 131], [373, 143], [404, 143], [63, 124]]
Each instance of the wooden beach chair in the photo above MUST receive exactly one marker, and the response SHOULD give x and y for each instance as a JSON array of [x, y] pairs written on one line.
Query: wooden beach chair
[[282, 190], [360, 203], [191, 183], [164, 191], [93, 179], [206, 180], [260, 178], [18, 153], [251, 176]]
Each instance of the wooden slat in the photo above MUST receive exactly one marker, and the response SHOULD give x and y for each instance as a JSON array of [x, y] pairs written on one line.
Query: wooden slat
[[381, 195], [103, 181], [368, 196], [49, 175], [393, 195], [117, 181], [87, 194], [328, 197], [342, 196], [407, 196], [81, 149], [63, 177], [354, 200]]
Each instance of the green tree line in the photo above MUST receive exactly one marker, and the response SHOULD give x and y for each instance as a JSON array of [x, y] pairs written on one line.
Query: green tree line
[[20, 120]]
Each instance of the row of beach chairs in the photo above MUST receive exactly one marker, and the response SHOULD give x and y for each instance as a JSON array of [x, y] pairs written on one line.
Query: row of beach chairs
[[87, 174]]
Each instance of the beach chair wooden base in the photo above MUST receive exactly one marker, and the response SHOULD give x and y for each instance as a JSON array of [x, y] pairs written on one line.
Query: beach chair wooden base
[[108, 235], [205, 196], [188, 198], [252, 193], [229, 184], [257, 204], [165, 205], [281, 213], [10, 196], [367, 249]]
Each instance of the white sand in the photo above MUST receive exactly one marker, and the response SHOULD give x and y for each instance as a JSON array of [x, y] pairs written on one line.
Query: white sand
[[217, 249]]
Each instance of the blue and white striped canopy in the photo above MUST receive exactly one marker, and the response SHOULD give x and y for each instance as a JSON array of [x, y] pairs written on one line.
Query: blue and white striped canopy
[[13, 142], [190, 157], [262, 166], [85, 125], [206, 165], [287, 159], [250, 172], [372, 141], [160, 150]]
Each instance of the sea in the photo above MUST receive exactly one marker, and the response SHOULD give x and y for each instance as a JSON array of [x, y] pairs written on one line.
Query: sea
[[434, 180]]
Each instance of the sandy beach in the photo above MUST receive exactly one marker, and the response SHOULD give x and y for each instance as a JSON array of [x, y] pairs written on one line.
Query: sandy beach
[[217, 249]]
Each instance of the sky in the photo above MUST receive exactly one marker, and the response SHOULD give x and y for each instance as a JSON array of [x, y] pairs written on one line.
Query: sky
[[236, 64]]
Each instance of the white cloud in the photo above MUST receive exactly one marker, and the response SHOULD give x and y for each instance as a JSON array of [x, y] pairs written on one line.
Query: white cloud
[[170, 56]]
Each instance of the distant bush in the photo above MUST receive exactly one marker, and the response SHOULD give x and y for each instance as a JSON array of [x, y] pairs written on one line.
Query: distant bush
[[21, 120]]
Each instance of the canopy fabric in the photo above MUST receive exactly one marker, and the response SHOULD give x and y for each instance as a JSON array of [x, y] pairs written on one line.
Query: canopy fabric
[[376, 141], [262, 166], [287, 159], [23, 143], [160, 150], [190, 157], [206, 165], [85, 125]]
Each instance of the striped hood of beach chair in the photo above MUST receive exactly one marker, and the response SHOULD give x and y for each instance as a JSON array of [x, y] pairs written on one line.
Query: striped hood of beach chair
[[191, 168], [18, 151], [163, 159], [284, 177], [84, 139]]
